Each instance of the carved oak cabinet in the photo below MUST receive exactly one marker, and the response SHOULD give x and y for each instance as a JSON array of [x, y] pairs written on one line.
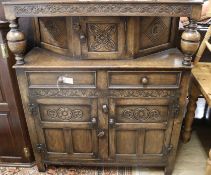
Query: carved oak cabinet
[[105, 85]]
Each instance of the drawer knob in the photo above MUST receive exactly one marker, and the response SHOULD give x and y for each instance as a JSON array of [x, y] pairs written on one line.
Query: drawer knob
[[111, 122], [105, 109], [101, 133], [144, 80]]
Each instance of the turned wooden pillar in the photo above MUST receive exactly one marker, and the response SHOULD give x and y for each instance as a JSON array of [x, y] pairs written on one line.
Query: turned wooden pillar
[[190, 114], [190, 41], [208, 169], [16, 42]]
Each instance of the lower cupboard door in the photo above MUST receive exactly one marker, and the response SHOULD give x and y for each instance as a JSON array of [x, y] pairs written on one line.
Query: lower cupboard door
[[139, 130], [67, 129]]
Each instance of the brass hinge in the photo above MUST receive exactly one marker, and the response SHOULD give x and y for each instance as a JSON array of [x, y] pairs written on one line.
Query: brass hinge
[[41, 148], [33, 108], [27, 153], [4, 51]]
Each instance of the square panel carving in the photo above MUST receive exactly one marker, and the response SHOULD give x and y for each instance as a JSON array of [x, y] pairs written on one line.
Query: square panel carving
[[102, 37], [154, 31]]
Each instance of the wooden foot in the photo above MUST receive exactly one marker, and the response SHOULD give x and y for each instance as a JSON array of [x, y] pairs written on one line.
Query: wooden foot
[[208, 169], [190, 114], [168, 171], [41, 167], [16, 42]]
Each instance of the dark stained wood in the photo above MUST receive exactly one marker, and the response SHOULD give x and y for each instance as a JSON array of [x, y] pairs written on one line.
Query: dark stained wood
[[13, 132], [97, 90]]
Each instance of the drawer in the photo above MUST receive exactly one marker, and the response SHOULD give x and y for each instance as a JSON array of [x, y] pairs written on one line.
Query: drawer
[[141, 79], [61, 79]]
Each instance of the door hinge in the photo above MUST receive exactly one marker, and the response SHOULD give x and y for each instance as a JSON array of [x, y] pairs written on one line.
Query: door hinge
[[168, 150], [41, 148], [27, 153], [33, 108], [175, 109]]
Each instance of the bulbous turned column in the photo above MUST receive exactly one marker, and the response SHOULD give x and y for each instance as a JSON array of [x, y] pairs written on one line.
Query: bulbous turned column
[[16, 42], [190, 41]]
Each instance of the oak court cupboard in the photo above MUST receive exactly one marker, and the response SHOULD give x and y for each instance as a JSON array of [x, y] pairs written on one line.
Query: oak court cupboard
[[105, 85]]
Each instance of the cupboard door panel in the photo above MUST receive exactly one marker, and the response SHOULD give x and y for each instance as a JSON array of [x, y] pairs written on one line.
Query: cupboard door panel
[[82, 141], [125, 142], [102, 37], [154, 141], [139, 128], [68, 130], [54, 140]]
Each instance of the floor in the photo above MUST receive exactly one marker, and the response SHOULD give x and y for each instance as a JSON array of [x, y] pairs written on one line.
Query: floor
[[191, 157]]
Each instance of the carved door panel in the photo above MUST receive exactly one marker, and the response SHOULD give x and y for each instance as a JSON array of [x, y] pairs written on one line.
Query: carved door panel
[[102, 37], [67, 128], [139, 128], [156, 33]]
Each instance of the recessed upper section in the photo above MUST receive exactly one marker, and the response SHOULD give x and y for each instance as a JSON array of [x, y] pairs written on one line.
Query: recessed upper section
[[47, 8]]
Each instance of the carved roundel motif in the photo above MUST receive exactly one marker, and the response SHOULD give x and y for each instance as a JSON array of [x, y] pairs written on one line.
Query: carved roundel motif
[[64, 113], [141, 114]]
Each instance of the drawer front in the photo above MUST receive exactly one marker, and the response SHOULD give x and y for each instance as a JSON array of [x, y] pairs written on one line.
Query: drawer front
[[140, 79], [72, 79]]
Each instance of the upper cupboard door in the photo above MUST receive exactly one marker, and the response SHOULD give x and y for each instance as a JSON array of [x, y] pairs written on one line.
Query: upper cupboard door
[[67, 128], [102, 37]]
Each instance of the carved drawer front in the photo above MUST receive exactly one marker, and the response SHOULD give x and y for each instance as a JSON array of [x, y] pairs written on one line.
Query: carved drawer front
[[140, 79], [67, 128], [102, 37], [139, 128], [72, 79]]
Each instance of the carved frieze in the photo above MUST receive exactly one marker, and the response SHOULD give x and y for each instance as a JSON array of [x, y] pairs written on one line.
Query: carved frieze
[[99, 9], [132, 93], [64, 113], [140, 114]]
